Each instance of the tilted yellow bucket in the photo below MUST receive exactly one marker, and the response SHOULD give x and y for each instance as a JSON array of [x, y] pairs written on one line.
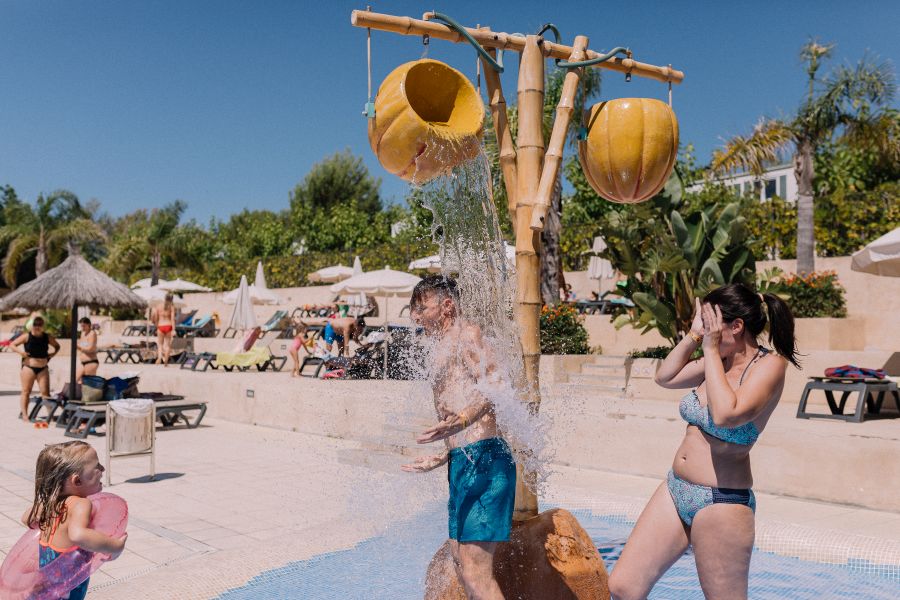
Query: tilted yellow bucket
[[630, 148], [428, 119]]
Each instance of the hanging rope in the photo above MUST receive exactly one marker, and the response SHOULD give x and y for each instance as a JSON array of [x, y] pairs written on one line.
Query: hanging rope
[[497, 66], [369, 109], [670, 89]]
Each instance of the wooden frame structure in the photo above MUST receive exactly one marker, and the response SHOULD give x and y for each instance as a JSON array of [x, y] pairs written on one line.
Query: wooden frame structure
[[529, 172]]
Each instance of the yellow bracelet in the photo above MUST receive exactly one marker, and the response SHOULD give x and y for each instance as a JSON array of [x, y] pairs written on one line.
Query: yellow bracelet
[[694, 336], [464, 420]]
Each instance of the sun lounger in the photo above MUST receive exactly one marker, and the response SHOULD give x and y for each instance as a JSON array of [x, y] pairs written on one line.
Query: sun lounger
[[170, 410], [870, 393], [16, 332], [202, 327]]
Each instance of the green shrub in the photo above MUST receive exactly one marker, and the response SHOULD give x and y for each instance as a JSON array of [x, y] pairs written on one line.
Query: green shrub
[[661, 352], [562, 331], [816, 295]]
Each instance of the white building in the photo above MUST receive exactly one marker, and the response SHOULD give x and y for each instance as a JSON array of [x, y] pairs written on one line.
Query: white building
[[777, 181]]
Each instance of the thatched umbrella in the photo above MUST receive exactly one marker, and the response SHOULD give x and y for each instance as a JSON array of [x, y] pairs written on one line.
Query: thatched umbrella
[[72, 284]]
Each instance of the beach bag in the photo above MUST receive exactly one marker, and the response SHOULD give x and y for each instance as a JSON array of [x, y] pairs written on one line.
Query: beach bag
[[92, 388], [118, 388]]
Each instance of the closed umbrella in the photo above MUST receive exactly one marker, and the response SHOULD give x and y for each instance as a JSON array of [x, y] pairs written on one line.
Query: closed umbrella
[[881, 257], [357, 266], [259, 293], [72, 284], [243, 318], [384, 282]]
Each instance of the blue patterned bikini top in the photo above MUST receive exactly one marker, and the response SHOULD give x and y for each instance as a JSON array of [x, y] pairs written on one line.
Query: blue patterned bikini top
[[694, 414]]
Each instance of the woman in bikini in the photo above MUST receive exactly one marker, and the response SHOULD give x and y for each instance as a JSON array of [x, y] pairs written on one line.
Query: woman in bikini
[[87, 350], [706, 501], [164, 318], [34, 346]]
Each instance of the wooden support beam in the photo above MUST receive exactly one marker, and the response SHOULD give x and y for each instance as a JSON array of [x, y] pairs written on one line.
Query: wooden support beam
[[554, 155], [505, 41], [500, 118], [530, 160]]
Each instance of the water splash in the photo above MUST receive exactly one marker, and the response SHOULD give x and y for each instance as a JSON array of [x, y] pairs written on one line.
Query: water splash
[[472, 250]]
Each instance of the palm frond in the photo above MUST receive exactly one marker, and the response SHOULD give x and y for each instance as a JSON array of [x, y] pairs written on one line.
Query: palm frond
[[18, 249], [753, 151]]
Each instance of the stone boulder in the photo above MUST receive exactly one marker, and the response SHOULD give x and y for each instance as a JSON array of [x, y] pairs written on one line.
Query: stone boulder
[[548, 557]]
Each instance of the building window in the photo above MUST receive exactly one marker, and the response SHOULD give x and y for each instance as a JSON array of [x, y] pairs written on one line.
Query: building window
[[770, 189], [782, 187]]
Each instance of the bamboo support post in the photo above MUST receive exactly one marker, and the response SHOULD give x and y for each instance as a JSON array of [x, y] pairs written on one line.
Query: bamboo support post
[[529, 162], [504, 137], [505, 41], [554, 155]]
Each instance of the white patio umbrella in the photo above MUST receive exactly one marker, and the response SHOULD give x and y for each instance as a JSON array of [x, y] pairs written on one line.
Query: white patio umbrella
[[157, 295], [433, 263], [384, 282], [331, 274], [243, 318], [181, 286], [357, 266], [881, 257], [145, 283]]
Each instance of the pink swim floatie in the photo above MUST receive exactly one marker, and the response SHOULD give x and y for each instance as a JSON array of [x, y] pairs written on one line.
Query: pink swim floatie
[[22, 579]]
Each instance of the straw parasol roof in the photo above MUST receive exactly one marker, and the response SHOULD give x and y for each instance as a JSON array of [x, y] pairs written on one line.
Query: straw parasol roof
[[73, 282]]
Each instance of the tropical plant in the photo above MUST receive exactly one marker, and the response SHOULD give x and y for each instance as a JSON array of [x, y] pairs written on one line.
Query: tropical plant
[[815, 295], [669, 258], [562, 331], [47, 231], [337, 181], [841, 103], [146, 240]]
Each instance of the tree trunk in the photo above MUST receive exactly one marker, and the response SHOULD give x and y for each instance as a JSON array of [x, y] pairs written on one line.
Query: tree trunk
[[551, 258], [806, 236], [40, 261], [154, 267]]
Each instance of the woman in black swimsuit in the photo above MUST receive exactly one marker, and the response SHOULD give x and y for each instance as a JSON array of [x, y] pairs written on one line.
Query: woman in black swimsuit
[[34, 346], [87, 350]]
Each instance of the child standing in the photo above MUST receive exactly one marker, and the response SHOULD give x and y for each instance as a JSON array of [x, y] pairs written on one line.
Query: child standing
[[65, 475]]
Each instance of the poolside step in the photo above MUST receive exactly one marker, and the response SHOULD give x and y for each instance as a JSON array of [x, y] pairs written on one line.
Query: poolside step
[[601, 380], [595, 369], [608, 360]]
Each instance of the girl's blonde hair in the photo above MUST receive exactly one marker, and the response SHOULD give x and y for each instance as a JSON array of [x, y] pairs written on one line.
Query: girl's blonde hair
[[55, 464]]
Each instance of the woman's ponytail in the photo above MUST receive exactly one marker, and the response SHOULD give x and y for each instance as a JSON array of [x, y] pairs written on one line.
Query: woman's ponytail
[[781, 328]]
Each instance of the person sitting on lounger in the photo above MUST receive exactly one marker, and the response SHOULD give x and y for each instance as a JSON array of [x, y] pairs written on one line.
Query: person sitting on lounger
[[87, 350]]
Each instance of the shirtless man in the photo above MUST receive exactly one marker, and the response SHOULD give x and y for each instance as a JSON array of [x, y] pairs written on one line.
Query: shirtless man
[[343, 330], [482, 473]]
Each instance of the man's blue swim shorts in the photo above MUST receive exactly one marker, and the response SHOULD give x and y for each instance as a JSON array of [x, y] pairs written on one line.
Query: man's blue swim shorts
[[482, 478]]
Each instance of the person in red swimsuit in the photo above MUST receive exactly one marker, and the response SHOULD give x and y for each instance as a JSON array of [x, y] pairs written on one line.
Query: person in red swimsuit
[[164, 317]]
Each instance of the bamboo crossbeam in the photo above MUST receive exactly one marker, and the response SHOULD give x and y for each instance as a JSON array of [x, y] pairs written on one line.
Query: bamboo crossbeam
[[554, 155], [505, 41], [504, 137]]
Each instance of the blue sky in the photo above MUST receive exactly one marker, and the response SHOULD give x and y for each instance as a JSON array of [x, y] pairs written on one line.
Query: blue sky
[[227, 104]]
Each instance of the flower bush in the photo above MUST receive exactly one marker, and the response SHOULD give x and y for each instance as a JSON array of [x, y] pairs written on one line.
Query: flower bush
[[815, 295], [562, 331]]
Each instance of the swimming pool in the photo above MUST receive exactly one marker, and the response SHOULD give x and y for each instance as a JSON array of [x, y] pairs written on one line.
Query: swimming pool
[[392, 567]]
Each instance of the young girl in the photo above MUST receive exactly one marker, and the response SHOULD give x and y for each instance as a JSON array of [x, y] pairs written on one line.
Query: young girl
[[300, 341], [66, 474]]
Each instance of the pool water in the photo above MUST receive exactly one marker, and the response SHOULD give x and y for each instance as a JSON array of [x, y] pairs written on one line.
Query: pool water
[[392, 567]]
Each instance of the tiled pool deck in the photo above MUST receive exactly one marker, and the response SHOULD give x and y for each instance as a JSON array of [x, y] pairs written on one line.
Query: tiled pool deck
[[235, 500]]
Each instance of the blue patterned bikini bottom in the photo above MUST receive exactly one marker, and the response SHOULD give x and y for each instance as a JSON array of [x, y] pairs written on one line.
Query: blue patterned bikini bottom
[[690, 498]]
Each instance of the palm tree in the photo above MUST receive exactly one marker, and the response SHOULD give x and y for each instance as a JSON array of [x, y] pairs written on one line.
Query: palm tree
[[48, 231], [844, 103], [551, 260], [147, 240]]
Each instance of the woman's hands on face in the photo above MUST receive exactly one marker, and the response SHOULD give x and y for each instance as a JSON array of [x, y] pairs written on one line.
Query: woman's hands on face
[[712, 328], [697, 323]]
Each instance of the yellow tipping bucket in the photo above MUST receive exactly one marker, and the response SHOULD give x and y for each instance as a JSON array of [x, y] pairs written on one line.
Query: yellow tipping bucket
[[428, 119], [630, 148]]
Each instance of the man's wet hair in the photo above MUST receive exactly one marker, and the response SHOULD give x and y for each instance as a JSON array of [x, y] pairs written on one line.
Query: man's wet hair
[[442, 285]]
